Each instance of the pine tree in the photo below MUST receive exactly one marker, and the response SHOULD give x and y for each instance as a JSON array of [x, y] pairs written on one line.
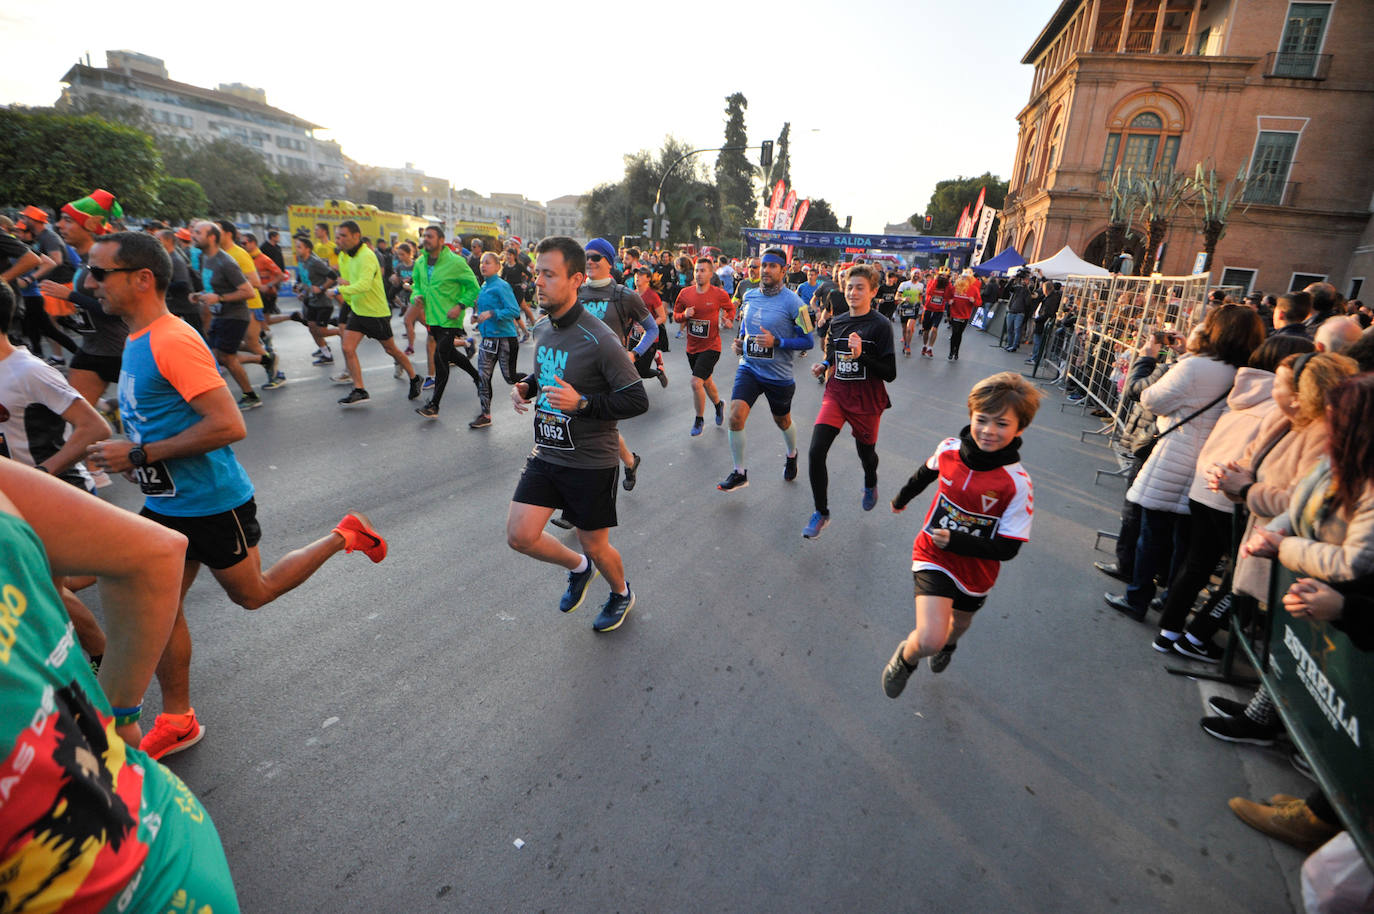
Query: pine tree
[[734, 174]]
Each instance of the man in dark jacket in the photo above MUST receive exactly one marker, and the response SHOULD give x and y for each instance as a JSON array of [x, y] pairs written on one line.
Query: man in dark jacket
[[1043, 316], [1017, 309]]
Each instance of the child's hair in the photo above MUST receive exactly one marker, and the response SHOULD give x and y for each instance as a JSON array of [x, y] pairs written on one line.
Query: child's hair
[[868, 272], [1006, 390]]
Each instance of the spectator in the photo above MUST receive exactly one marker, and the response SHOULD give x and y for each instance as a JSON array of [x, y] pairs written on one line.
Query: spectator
[[1337, 334], [1291, 313], [1326, 302]]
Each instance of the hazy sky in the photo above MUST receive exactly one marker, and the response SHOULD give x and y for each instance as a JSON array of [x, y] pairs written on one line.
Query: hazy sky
[[885, 97]]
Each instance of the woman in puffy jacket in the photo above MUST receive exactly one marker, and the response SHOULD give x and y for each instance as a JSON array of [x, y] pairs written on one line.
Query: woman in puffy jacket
[[1261, 402], [1200, 381], [967, 298]]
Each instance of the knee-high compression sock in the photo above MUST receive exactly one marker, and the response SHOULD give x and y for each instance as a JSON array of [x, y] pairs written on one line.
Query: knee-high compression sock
[[868, 456], [737, 447], [822, 436], [789, 435]]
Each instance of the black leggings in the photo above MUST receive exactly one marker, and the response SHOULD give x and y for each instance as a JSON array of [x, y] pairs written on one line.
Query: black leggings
[[37, 324], [956, 335], [1209, 541], [822, 436], [445, 352]]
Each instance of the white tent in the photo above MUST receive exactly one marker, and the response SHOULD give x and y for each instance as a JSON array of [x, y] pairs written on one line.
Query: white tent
[[1066, 263]]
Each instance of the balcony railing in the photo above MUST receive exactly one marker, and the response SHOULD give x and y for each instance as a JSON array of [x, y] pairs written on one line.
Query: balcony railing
[[1272, 193], [1290, 65]]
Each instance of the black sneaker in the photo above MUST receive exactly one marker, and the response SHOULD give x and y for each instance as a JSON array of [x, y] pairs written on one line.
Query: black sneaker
[[482, 421], [298, 318], [356, 395], [720, 411], [577, 588], [250, 400], [942, 659], [738, 479], [1164, 644], [428, 411], [789, 469], [1206, 652], [613, 611], [663, 377], [1226, 707], [897, 672], [1239, 730], [630, 477], [415, 382], [562, 523]]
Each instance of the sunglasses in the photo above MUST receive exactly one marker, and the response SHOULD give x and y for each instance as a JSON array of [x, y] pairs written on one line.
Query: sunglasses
[[100, 273], [595, 258]]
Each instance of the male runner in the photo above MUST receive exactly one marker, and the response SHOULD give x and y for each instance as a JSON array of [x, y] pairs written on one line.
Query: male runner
[[497, 311], [750, 281], [226, 295], [938, 294], [699, 309], [360, 286], [180, 421], [622, 310], [909, 308], [858, 360], [253, 339], [442, 283], [773, 325], [650, 364], [314, 278], [31, 227], [886, 299], [324, 246], [583, 384]]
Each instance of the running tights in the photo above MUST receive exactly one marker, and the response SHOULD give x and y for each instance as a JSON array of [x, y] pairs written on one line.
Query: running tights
[[956, 336], [822, 436], [446, 352]]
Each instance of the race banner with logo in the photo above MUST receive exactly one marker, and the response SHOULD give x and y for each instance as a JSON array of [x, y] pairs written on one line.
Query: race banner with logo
[[758, 237], [984, 232], [774, 203]]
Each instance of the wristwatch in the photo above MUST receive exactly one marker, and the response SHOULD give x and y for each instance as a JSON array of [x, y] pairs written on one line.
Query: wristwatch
[[137, 456], [582, 404]]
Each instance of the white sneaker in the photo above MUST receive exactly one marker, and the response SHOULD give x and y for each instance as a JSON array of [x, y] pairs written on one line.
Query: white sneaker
[[342, 377]]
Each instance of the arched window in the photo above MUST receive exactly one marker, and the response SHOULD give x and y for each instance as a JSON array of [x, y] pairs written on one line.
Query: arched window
[[1028, 166], [1144, 144], [1052, 153]]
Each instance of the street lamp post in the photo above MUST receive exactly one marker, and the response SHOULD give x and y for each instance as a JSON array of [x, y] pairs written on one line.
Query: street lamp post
[[658, 194]]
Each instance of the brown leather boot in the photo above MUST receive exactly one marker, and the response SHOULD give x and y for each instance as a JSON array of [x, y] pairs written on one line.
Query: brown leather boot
[[1292, 823]]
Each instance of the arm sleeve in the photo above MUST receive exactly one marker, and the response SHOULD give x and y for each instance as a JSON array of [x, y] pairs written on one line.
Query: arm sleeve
[[999, 548], [884, 366], [508, 306], [915, 486], [619, 404], [650, 338]]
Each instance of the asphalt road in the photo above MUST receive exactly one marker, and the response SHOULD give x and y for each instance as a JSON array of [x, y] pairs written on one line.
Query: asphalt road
[[431, 734]]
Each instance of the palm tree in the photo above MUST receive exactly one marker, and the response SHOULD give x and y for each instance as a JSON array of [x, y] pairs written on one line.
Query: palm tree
[[1215, 201], [1161, 193], [1121, 203]]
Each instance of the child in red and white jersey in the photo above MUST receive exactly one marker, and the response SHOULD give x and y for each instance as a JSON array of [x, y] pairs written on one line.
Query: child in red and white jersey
[[979, 518]]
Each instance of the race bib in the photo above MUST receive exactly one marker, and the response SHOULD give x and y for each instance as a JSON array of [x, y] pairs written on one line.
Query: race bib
[[155, 481], [698, 328], [946, 515], [908, 312], [552, 430], [847, 367], [488, 345], [217, 307], [755, 349]]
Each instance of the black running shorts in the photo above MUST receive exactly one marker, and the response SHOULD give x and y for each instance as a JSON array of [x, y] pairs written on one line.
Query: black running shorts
[[931, 320], [930, 583], [586, 495], [376, 328], [216, 540], [703, 362]]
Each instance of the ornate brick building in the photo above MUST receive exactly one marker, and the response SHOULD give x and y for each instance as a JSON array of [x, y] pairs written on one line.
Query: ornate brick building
[[1282, 90]]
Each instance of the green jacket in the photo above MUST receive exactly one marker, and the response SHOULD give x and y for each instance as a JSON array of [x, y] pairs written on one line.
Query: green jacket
[[447, 283], [363, 274]]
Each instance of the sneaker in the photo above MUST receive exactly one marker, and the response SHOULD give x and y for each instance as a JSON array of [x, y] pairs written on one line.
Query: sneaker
[[278, 380], [429, 384], [525, 337], [168, 736], [738, 479], [428, 411], [1206, 652], [471, 346], [269, 365], [56, 361], [482, 421], [942, 658], [697, 425], [720, 412], [577, 588], [324, 358], [1301, 765], [1226, 707], [356, 395], [250, 400], [562, 523], [662, 377], [398, 372], [789, 469], [630, 474], [897, 672], [1164, 644], [614, 610], [1293, 824], [358, 533], [906, 351], [1076, 397], [415, 382], [300, 319], [870, 498], [1240, 730], [342, 377], [815, 525]]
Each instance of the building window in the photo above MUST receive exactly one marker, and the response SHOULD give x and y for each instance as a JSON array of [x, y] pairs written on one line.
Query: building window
[[1142, 147], [1026, 170], [1052, 156], [1355, 285], [1269, 166], [1303, 280], [1237, 276], [1302, 39]]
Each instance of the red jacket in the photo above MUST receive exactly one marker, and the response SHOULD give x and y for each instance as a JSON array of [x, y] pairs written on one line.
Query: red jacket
[[961, 306]]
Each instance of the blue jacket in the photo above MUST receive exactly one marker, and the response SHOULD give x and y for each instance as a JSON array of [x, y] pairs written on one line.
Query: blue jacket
[[497, 297]]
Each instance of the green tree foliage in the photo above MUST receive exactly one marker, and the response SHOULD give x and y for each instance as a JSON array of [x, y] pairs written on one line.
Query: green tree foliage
[[781, 169], [952, 195], [56, 158], [734, 173], [235, 178], [819, 218], [620, 208], [180, 200]]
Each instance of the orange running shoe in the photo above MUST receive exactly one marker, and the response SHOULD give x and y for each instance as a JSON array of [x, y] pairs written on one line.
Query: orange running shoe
[[172, 733], [358, 533]]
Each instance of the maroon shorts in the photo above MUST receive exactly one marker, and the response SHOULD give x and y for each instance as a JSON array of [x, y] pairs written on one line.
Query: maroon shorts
[[864, 426]]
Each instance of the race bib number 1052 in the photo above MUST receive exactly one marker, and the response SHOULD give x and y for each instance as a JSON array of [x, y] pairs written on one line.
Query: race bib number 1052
[[552, 430]]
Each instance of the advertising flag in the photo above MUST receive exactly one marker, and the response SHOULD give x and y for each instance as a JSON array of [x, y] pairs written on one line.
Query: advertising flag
[[774, 204], [786, 211]]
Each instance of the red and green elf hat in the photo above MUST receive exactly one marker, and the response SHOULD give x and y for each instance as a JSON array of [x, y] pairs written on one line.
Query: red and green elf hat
[[95, 212]]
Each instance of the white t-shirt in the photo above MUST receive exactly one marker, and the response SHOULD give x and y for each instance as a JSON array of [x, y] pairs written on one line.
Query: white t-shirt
[[33, 397]]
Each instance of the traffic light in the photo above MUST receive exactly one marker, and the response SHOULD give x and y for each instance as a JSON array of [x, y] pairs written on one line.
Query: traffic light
[[663, 230], [925, 223], [766, 154], [649, 227]]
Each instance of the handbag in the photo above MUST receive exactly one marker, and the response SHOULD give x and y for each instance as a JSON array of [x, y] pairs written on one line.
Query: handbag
[[1142, 453]]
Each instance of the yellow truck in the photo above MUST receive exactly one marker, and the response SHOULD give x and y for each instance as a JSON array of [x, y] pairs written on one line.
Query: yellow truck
[[375, 223]]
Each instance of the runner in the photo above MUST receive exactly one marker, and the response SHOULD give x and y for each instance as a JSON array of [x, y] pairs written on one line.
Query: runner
[[700, 308], [324, 246], [966, 298], [497, 312], [226, 295], [979, 518], [622, 310], [650, 364], [31, 227], [517, 276], [773, 325], [360, 287], [938, 294], [750, 281], [886, 299], [584, 383], [314, 279], [859, 358], [442, 283], [180, 421], [909, 296], [180, 291], [253, 339]]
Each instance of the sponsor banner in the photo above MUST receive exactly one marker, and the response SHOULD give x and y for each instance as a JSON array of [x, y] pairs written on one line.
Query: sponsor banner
[[984, 232], [917, 243], [774, 203]]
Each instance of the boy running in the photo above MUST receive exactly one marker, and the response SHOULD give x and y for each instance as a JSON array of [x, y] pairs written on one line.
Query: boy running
[[979, 518], [909, 296], [700, 309]]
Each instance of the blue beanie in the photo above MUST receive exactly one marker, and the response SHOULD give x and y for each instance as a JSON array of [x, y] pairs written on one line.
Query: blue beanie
[[601, 246]]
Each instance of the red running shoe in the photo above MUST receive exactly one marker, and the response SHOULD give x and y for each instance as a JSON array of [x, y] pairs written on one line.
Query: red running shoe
[[172, 733], [358, 533]]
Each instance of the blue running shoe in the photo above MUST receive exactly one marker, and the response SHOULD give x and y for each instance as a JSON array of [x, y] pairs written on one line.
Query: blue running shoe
[[614, 610], [428, 384], [720, 412], [815, 525], [577, 588], [696, 426], [870, 498]]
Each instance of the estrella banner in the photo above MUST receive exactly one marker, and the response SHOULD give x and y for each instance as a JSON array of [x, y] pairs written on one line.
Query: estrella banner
[[984, 230], [757, 237]]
